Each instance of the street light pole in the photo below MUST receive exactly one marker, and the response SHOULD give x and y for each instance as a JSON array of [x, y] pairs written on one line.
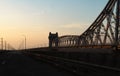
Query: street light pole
[[1, 43], [5, 45]]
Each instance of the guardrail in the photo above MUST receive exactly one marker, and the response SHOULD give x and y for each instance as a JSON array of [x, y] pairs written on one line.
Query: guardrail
[[77, 67]]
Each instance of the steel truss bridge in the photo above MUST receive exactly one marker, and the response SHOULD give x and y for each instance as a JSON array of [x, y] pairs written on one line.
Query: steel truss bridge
[[103, 32]]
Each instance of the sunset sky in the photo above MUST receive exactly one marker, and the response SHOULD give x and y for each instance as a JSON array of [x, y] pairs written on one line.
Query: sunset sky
[[36, 18]]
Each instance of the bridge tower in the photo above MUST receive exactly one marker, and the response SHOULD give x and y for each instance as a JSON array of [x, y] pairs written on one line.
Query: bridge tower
[[53, 39], [117, 27]]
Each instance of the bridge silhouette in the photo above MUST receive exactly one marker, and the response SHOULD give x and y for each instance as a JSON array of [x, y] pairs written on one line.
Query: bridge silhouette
[[88, 54], [103, 32]]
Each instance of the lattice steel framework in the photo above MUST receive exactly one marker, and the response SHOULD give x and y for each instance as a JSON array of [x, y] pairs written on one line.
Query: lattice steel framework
[[104, 31]]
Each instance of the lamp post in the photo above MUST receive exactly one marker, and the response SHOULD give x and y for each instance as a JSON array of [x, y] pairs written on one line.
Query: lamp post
[[1, 43], [5, 45]]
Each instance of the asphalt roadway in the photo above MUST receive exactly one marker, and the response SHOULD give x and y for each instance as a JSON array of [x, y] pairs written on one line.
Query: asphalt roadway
[[17, 64]]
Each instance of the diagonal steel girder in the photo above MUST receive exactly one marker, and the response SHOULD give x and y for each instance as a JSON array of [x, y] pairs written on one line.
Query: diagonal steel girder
[[103, 31]]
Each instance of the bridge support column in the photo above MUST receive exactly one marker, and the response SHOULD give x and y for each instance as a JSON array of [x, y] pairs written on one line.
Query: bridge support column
[[117, 25]]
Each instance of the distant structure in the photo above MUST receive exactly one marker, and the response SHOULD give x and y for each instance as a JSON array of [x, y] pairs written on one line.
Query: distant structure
[[104, 32], [53, 39]]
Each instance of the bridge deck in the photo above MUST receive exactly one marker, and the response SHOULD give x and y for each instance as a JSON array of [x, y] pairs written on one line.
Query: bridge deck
[[82, 50], [16, 64]]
